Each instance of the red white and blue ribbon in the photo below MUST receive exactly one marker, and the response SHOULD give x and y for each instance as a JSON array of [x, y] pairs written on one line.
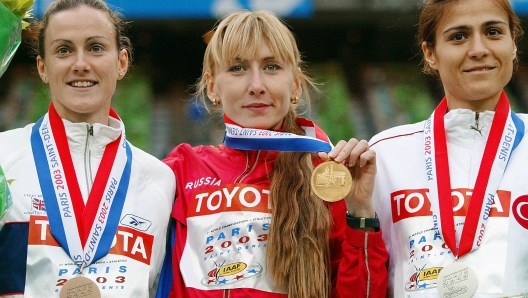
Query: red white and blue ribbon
[[507, 130], [84, 231], [315, 140]]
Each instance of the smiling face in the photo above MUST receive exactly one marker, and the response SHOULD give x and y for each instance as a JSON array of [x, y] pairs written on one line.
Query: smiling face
[[473, 53], [82, 63], [255, 92]]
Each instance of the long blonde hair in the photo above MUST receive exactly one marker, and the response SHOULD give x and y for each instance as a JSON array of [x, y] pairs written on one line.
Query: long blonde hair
[[298, 253]]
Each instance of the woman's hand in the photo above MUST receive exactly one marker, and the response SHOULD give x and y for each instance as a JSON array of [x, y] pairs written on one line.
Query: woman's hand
[[361, 162]]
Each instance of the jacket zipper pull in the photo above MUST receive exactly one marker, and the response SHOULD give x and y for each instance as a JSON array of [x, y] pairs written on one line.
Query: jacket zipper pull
[[90, 130], [476, 127]]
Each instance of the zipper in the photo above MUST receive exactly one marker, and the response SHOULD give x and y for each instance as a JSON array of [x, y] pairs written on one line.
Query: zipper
[[87, 159], [476, 127], [247, 170]]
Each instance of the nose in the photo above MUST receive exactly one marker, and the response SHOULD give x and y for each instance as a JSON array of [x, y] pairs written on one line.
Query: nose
[[256, 85], [81, 63], [478, 47]]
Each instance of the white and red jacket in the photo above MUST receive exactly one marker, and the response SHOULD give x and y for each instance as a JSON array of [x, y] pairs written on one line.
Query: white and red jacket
[[222, 219], [32, 264], [401, 198]]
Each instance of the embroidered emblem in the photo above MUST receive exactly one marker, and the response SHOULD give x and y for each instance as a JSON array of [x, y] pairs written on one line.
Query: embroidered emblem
[[231, 273], [136, 222]]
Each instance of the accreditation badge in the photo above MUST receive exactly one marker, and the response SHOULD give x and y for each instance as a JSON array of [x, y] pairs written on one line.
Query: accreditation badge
[[457, 280]]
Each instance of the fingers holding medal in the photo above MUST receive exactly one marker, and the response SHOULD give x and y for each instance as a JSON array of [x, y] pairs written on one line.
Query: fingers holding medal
[[348, 172]]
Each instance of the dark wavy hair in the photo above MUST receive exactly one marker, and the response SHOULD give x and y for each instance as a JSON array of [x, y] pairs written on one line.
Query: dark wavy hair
[[434, 10]]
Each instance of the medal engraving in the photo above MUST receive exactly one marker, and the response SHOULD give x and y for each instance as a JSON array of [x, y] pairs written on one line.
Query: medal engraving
[[80, 287], [331, 181], [457, 280]]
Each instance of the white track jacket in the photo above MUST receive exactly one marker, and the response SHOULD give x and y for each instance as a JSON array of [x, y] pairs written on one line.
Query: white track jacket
[[33, 264], [401, 198]]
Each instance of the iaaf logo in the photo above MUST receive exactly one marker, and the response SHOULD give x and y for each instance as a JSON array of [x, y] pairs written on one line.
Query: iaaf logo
[[229, 197], [423, 278], [231, 273], [416, 202]]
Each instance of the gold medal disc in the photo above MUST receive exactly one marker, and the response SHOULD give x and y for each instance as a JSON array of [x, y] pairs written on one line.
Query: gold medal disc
[[80, 287], [331, 181]]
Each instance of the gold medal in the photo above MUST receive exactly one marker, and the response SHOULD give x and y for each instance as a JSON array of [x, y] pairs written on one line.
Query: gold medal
[[80, 287], [331, 181]]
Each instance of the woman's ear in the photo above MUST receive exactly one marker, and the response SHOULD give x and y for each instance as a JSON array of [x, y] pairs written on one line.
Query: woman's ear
[[429, 56], [41, 67], [123, 64], [211, 93], [297, 85]]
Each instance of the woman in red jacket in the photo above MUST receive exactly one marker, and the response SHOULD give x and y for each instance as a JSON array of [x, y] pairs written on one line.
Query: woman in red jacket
[[248, 222]]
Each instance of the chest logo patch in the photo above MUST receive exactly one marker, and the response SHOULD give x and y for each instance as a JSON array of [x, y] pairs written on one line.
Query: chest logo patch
[[225, 274]]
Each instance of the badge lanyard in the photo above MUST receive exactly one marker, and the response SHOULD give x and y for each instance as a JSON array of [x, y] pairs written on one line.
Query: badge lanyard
[[315, 140], [507, 130], [85, 232]]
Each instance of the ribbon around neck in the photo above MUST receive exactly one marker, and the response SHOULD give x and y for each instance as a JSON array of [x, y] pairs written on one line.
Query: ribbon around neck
[[315, 140], [506, 132], [85, 232]]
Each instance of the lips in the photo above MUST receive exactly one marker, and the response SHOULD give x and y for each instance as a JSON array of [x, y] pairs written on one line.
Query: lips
[[82, 84], [256, 105], [479, 68]]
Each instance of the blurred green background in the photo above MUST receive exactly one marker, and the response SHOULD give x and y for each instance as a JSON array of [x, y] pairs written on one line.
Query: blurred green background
[[361, 53]]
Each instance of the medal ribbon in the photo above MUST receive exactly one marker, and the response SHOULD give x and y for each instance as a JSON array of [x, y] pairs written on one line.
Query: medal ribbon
[[507, 130], [315, 140], [85, 232]]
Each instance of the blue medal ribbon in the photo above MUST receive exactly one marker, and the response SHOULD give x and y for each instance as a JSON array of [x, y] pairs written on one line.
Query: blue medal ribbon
[[99, 234], [242, 138]]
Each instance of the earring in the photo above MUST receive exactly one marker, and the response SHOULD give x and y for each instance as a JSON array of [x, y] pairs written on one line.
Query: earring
[[120, 74], [216, 102], [294, 100], [44, 79]]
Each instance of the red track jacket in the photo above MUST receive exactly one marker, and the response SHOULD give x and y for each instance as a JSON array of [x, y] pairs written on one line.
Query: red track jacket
[[221, 223]]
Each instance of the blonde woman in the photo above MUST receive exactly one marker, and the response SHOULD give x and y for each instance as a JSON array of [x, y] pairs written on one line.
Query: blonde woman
[[247, 221]]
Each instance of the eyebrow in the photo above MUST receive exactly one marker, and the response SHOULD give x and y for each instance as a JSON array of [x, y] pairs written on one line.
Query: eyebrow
[[71, 42], [269, 58], [466, 27], [265, 59], [61, 40]]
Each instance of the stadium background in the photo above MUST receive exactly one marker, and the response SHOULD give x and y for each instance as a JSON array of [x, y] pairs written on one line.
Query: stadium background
[[362, 52]]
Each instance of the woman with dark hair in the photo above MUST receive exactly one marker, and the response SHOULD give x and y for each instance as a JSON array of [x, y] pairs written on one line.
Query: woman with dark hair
[[248, 222], [90, 211], [450, 191]]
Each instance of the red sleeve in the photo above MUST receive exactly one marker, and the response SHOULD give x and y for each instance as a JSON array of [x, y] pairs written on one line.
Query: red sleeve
[[359, 259]]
